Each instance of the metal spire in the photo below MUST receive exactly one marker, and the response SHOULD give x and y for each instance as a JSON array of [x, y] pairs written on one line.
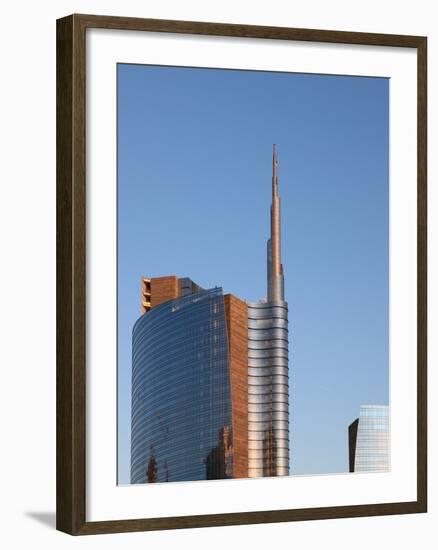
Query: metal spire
[[275, 269], [274, 172]]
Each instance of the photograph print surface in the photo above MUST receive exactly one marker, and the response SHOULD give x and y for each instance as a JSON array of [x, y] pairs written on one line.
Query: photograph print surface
[[253, 264]]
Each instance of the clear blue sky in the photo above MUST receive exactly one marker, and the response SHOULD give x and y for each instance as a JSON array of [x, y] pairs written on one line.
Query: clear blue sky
[[194, 185]]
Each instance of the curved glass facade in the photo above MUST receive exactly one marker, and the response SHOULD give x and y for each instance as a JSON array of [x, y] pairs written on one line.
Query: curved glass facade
[[268, 389], [181, 397]]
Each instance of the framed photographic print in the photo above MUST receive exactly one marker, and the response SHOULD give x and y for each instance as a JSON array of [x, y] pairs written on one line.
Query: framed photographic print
[[241, 274]]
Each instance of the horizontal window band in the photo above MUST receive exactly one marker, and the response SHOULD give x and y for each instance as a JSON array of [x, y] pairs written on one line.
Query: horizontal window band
[[268, 344], [278, 396], [258, 463], [255, 312], [281, 389], [270, 353], [267, 324], [277, 383], [262, 436], [254, 399], [254, 306], [276, 467], [259, 454], [254, 331], [274, 352], [265, 430], [265, 435], [268, 370], [269, 419], [259, 445], [268, 380], [255, 339], [267, 408], [274, 379], [268, 361], [275, 370], [279, 430], [282, 396], [255, 418]]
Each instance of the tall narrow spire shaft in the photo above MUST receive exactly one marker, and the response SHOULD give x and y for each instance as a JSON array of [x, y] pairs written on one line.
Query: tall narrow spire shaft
[[275, 220], [275, 269]]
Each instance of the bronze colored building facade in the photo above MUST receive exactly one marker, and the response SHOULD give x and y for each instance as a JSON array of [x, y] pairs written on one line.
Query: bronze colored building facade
[[157, 290], [210, 378]]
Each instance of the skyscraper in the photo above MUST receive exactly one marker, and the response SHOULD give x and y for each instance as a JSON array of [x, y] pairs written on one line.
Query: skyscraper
[[268, 367], [189, 384], [368, 439], [210, 378]]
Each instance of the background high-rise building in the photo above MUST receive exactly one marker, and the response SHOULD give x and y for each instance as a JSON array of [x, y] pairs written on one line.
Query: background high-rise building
[[368, 438], [268, 366]]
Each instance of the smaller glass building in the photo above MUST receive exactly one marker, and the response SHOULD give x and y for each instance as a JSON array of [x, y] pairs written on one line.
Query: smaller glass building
[[369, 447]]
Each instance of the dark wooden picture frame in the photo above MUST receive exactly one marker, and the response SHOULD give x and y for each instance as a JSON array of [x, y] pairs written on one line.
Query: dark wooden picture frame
[[71, 274]]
